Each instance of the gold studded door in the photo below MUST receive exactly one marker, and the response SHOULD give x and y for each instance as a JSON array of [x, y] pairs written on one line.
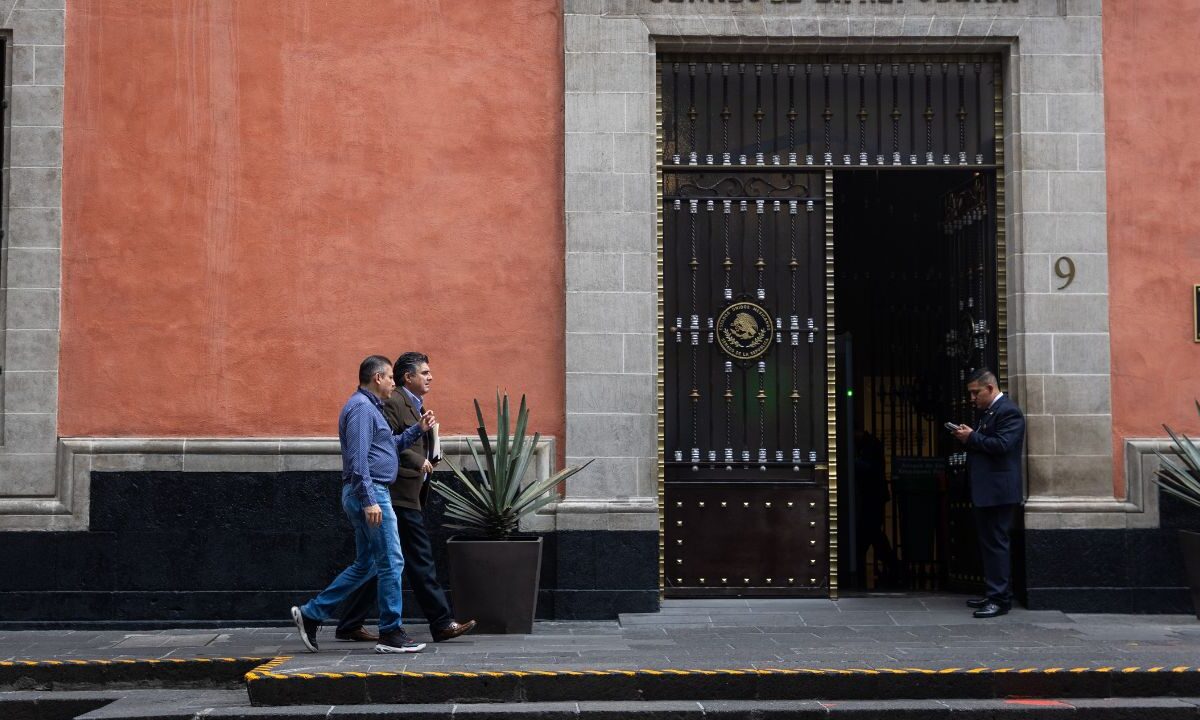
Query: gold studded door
[[745, 342], [745, 393]]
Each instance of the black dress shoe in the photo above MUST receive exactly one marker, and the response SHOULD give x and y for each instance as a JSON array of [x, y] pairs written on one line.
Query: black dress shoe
[[977, 603], [453, 630], [991, 610]]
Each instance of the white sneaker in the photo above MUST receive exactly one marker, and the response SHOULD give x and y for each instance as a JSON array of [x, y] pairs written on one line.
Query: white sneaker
[[398, 641], [307, 628]]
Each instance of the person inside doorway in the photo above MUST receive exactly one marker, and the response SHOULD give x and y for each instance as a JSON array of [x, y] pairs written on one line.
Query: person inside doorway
[[870, 501]]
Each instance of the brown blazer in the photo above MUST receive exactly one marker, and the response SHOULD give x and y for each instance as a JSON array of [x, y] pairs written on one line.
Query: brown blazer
[[408, 491]]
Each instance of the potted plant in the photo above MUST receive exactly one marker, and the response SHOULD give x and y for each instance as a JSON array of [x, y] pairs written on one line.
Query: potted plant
[[494, 569], [1181, 477]]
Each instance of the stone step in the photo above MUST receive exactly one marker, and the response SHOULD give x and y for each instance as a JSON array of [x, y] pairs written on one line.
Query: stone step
[[344, 685], [49, 706], [148, 705], [78, 674]]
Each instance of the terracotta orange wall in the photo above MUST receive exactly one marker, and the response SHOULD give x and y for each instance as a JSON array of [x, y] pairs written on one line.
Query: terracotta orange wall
[[259, 194], [1152, 101]]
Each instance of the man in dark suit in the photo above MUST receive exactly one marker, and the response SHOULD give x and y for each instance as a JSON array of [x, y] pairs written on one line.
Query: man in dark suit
[[994, 472], [402, 410]]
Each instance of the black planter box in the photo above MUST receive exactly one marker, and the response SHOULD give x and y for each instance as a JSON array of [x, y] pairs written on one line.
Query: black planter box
[[495, 582]]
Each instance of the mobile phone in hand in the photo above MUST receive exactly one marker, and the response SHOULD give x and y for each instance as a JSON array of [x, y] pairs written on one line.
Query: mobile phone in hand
[[952, 427]]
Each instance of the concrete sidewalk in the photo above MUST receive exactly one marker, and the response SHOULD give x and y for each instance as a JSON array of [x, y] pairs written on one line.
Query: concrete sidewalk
[[853, 650], [877, 631]]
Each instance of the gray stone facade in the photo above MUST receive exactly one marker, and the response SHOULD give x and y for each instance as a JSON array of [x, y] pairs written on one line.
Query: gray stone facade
[[1058, 342], [30, 263]]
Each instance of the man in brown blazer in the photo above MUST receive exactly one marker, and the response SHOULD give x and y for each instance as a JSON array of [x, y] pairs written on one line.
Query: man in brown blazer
[[402, 410]]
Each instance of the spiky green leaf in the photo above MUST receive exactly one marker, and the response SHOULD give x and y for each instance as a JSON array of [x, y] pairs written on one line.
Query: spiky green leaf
[[537, 489], [493, 501], [1186, 450], [484, 482], [487, 445], [479, 493], [1180, 475], [455, 501], [519, 470], [519, 439], [502, 443]]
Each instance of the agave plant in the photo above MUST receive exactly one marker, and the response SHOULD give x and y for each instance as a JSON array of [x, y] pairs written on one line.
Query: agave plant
[[494, 503], [1181, 479]]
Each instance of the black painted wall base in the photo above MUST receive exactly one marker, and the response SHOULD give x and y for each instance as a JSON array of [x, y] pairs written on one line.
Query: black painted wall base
[[176, 549], [1112, 571], [1125, 601]]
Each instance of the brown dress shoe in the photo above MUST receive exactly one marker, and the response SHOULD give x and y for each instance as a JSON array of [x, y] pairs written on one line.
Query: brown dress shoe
[[453, 630], [358, 634]]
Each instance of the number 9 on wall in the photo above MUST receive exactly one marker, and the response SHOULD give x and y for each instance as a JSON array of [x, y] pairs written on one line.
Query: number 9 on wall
[[1064, 269]]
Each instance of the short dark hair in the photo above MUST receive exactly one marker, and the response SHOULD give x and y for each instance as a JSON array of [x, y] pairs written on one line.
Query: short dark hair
[[408, 363], [370, 366], [983, 376]]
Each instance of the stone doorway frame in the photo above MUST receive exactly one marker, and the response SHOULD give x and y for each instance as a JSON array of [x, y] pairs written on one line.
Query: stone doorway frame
[[32, 495], [1054, 173]]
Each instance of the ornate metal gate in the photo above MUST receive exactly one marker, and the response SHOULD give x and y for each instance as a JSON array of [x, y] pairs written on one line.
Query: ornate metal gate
[[972, 341], [749, 147]]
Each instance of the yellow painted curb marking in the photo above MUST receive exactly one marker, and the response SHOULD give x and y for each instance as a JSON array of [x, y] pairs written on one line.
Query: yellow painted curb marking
[[263, 671]]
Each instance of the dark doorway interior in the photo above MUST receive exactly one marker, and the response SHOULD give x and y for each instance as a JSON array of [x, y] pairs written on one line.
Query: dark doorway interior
[[916, 311]]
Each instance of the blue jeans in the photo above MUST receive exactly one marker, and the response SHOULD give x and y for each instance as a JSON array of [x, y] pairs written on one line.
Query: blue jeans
[[421, 574], [377, 552]]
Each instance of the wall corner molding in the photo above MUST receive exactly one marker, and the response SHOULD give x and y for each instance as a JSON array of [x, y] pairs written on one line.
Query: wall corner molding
[[77, 458]]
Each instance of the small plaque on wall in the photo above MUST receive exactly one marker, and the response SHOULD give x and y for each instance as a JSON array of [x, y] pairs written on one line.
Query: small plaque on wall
[[1196, 312]]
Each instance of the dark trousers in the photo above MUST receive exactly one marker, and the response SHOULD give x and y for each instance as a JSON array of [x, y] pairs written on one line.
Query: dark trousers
[[994, 525], [419, 571]]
